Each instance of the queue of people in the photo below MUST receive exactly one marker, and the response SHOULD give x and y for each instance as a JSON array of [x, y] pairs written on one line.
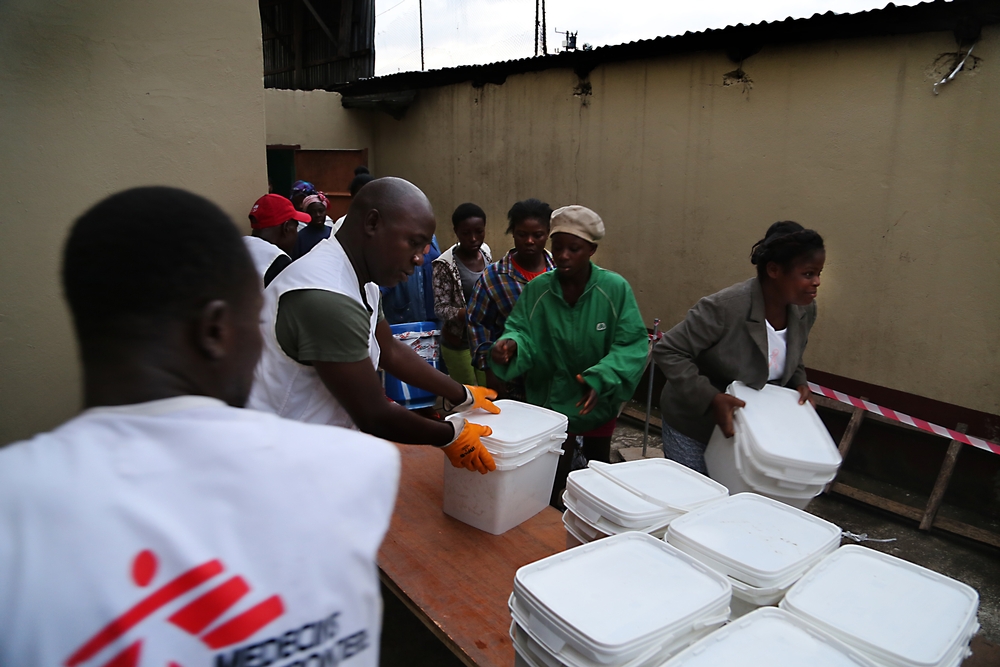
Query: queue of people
[[164, 478]]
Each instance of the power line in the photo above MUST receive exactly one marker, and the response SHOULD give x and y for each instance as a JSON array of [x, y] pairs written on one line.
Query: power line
[[390, 9]]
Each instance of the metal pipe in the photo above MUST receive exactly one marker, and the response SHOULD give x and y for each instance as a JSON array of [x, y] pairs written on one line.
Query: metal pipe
[[958, 68], [649, 393]]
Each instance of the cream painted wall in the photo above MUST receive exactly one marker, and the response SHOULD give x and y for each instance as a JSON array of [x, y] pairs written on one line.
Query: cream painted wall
[[843, 136], [96, 97], [316, 120]]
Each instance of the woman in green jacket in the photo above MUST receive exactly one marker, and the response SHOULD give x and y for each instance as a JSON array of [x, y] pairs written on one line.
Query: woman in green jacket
[[577, 336]]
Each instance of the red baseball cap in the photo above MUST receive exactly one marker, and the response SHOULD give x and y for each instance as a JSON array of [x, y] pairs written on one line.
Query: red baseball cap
[[273, 210]]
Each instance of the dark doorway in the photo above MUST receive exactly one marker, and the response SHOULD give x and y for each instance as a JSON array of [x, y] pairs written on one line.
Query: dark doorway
[[281, 169]]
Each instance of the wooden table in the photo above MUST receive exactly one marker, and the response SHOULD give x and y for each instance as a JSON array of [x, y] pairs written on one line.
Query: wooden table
[[455, 578]]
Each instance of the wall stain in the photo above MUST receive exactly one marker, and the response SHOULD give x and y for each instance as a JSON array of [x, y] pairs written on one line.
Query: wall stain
[[583, 90], [946, 62], [740, 79]]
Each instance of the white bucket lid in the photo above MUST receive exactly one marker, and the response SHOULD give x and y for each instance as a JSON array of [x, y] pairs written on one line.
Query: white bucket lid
[[782, 432], [664, 482], [573, 529], [626, 606], [898, 612], [580, 529], [585, 514], [799, 476], [599, 496], [757, 540], [769, 637], [518, 425], [513, 462], [769, 482]]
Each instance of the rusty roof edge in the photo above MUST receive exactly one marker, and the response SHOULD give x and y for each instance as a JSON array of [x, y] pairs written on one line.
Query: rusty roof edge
[[964, 17]]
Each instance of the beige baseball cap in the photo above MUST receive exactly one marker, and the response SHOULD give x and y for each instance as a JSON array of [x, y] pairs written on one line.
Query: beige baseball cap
[[578, 221]]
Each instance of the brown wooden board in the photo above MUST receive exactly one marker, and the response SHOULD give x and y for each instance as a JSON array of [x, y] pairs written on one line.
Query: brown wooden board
[[331, 172], [454, 577]]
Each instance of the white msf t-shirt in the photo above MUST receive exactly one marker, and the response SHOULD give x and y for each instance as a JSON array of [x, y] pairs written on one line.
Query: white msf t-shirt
[[777, 350], [187, 533]]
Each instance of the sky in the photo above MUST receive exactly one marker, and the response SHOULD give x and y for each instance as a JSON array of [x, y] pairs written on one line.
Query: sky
[[469, 32]]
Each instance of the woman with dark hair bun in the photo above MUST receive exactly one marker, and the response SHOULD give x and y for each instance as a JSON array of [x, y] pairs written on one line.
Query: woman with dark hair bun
[[754, 331]]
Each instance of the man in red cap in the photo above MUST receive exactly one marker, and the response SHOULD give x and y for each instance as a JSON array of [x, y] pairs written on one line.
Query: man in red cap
[[275, 224]]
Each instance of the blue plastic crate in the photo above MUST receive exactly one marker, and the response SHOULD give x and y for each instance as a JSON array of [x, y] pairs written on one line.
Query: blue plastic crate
[[424, 337]]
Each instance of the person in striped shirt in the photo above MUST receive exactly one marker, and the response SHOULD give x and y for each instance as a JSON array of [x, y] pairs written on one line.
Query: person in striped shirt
[[501, 283]]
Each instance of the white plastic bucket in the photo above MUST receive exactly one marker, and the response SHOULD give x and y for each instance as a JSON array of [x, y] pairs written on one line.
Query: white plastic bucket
[[533, 653], [597, 497], [897, 613], [770, 638], [757, 540], [525, 445], [642, 495], [720, 460], [587, 602], [519, 427], [788, 438], [781, 449], [504, 498], [580, 529], [585, 515], [747, 598]]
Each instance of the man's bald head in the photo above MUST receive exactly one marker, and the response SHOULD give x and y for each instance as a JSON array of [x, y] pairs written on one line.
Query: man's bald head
[[392, 197], [388, 226]]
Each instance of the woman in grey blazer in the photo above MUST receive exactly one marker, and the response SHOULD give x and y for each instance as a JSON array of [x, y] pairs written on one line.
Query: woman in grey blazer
[[754, 332]]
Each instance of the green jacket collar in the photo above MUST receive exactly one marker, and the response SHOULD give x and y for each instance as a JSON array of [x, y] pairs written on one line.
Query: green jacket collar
[[591, 282]]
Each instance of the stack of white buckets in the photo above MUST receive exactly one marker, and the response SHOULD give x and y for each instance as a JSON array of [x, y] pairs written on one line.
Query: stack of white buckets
[[628, 600], [762, 545], [633, 600], [857, 607], [525, 445], [643, 496], [781, 449]]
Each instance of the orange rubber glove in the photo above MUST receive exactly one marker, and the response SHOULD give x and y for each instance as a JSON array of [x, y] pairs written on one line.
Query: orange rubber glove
[[483, 397], [475, 397], [467, 450]]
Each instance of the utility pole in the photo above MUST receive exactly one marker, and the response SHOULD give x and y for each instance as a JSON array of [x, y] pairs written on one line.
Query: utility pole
[[537, 6], [545, 48], [422, 68]]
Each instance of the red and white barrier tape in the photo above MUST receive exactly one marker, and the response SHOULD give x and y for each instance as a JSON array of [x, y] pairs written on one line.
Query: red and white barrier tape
[[906, 419]]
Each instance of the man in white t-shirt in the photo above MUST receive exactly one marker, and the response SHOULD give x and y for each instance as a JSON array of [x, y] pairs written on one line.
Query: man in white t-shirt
[[164, 525]]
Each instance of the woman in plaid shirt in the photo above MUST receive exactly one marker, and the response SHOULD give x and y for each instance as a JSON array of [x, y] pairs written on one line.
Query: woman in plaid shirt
[[501, 284]]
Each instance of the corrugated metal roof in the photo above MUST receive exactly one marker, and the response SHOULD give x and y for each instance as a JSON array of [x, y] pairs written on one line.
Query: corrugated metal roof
[[325, 63], [964, 17]]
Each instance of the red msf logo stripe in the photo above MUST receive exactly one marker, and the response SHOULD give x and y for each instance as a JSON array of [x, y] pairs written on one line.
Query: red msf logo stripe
[[154, 601], [194, 618], [245, 624], [199, 614]]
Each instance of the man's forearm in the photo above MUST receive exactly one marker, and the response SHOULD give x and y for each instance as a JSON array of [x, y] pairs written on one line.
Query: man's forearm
[[396, 423], [409, 367]]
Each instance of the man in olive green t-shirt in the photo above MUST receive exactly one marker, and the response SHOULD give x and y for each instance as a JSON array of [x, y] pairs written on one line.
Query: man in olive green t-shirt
[[324, 334]]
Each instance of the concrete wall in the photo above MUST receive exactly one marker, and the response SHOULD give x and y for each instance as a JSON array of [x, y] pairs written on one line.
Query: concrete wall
[[688, 168], [316, 120], [96, 97]]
